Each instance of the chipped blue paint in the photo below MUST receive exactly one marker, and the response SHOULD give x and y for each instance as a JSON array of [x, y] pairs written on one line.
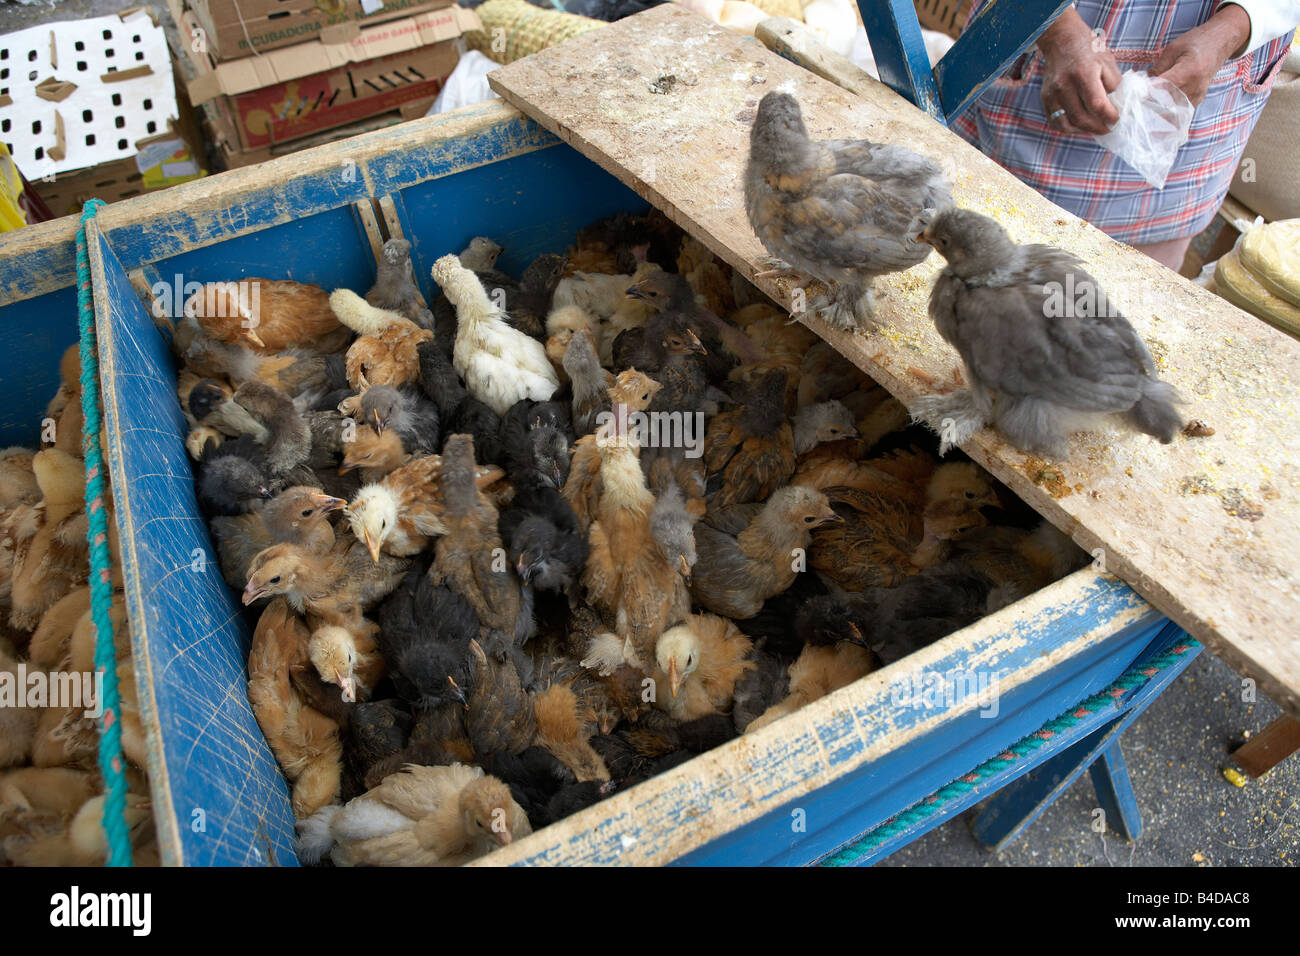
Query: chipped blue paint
[[896, 45]]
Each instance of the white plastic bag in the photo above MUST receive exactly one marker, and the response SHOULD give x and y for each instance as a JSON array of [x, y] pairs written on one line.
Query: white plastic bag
[[1154, 117], [467, 84]]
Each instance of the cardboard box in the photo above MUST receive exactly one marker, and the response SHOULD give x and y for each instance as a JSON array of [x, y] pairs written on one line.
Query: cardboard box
[[945, 16], [299, 91], [239, 28], [236, 158]]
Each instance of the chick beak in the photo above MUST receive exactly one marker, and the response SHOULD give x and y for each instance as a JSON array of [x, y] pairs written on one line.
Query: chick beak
[[927, 237], [457, 693], [524, 570], [686, 568], [674, 680], [371, 545], [830, 515], [377, 422], [253, 593], [857, 635], [346, 467], [264, 492], [851, 432], [253, 337], [502, 837], [992, 500], [557, 476], [349, 687], [693, 343], [635, 293], [328, 503]]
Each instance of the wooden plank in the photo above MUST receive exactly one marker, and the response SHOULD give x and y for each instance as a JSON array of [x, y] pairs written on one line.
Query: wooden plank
[[1269, 747], [1207, 529]]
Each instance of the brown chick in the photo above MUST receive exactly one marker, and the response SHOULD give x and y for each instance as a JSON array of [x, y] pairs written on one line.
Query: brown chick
[[466, 557], [629, 578], [499, 713], [698, 663], [748, 553], [332, 588], [268, 315], [423, 816], [47, 795], [82, 841], [885, 538], [1018, 561], [708, 277], [49, 557], [18, 484], [564, 732], [632, 391], [50, 639], [818, 671], [304, 741], [385, 350], [297, 515], [749, 452], [17, 724], [375, 453]]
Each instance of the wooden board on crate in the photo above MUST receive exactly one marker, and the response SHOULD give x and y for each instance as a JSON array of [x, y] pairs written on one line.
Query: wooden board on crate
[[1207, 529]]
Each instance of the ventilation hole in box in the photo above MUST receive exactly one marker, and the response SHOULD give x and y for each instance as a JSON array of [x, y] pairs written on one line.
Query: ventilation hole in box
[[120, 122], [121, 144], [333, 97], [136, 38], [79, 46], [147, 104], [139, 54], [388, 81], [4, 73], [117, 99], [87, 116], [40, 152], [371, 84], [81, 66], [32, 76], [31, 56], [151, 127], [106, 182], [111, 69], [90, 139], [108, 34], [280, 15], [4, 125], [109, 53], [416, 72], [36, 127], [135, 177], [130, 192], [4, 54]]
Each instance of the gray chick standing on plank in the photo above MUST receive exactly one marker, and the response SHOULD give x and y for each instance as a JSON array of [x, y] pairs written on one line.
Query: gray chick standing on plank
[[1045, 351], [842, 211]]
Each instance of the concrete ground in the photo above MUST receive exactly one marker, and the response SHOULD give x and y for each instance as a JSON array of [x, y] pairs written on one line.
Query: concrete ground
[[1191, 815]]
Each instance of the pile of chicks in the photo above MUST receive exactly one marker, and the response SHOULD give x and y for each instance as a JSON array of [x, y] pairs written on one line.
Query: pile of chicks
[[51, 791], [489, 593]]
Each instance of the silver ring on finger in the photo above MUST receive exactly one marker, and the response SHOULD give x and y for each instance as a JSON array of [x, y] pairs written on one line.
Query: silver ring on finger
[[1055, 115]]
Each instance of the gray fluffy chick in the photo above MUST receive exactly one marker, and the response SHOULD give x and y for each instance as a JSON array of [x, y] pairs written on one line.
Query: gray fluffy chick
[[395, 288], [843, 211], [824, 422], [480, 255], [1035, 373]]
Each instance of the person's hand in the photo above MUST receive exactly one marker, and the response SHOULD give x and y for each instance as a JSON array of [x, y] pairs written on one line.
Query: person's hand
[[1078, 72], [1191, 61]]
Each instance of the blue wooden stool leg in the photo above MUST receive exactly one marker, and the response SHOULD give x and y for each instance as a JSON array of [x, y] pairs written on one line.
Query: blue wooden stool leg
[[896, 45], [1115, 793], [1010, 813]]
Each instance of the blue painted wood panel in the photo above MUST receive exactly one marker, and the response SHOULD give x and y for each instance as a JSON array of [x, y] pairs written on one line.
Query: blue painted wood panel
[[35, 333], [208, 757]]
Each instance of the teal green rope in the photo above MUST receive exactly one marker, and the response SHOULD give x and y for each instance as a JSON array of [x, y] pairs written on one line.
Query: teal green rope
[[1131, 679], [101, 588]]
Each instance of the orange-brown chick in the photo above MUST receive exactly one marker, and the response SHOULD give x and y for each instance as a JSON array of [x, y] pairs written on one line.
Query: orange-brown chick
[[305, 742], [697, 665], [268, 315], [710, 279], [563, 731], [49, 556], [385, 350], [818, 671], [749, 452]]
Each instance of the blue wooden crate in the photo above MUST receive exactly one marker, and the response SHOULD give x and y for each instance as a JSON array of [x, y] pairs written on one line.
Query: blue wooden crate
[[847, 762]]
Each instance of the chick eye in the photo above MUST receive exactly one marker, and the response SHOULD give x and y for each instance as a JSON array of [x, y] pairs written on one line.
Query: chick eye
[[307, 513], [808, 519], [275, 580], [366, 455], [970, 494], [645, 396]]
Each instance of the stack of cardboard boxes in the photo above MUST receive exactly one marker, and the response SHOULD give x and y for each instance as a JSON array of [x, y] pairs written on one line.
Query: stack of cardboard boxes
[[272, 76]]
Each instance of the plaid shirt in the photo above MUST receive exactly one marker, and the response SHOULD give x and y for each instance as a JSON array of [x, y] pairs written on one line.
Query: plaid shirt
[[1009, 124]]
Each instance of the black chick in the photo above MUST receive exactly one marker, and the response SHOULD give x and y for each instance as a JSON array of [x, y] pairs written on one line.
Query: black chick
[[528, 301], [726, 345], [773, 624], [759, 688], [546, 545], [376, 731], [533, 775], [621, 232], [424, 635], [459, 413], [535, 438], [233, 478], [409, 414], [571, 799], [263, 413]]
